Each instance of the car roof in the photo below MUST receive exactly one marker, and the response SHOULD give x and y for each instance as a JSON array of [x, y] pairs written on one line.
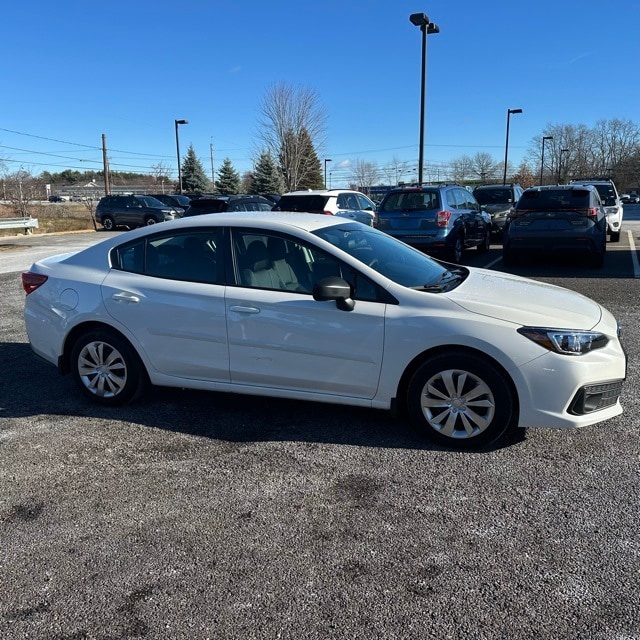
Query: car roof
[[320, 192]]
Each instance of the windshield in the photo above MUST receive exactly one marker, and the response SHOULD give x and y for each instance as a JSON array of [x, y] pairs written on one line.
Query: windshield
[[149, 201], [493, 196], [390, 257]]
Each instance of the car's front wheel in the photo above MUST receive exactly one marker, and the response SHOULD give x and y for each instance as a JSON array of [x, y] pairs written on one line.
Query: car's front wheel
[[150, 220], [106, 368], [108, 223], [461, 400], [485, 245]]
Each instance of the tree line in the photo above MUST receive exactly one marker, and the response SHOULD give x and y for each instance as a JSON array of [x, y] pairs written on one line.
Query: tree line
[[292, 128]]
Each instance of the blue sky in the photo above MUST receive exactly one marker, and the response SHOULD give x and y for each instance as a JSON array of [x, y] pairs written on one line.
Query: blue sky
[[74, 71]]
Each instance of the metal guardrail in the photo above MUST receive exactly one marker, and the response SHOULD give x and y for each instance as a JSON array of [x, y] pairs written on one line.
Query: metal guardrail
[[28, 224]]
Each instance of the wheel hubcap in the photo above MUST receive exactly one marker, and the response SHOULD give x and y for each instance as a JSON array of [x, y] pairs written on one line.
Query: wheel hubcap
[[457, 403], [102, 369]]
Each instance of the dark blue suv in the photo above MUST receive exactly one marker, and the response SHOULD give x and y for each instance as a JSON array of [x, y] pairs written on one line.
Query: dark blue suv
[[442, 219]]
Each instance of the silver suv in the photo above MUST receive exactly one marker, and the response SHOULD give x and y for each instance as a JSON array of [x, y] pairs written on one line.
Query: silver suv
[[334, 202], [612, 205]]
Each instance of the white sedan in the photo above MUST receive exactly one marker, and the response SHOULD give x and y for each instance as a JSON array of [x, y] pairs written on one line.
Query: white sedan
[[318, 308]]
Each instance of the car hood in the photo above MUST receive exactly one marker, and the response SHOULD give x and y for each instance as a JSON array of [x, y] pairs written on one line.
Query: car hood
[[525, 302]]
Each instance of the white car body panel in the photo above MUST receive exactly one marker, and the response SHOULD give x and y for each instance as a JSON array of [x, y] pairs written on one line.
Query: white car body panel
[[286, 344]]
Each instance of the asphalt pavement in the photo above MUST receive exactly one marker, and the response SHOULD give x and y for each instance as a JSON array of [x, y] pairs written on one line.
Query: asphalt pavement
[[201, 515]]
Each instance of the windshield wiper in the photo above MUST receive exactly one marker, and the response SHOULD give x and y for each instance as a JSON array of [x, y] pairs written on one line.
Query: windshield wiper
[[446, 279]]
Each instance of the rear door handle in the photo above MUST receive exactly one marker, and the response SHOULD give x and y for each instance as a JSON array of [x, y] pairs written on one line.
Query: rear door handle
[[125, 297]]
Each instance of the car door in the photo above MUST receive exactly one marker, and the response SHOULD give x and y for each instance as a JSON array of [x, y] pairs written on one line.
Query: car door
[[285, 339], [349, 207], [474, 220], [171, 303]]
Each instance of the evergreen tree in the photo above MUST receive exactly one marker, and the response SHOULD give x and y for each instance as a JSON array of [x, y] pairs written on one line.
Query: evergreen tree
[[266, 176], [311, 174], [228, 182], [194, 177]]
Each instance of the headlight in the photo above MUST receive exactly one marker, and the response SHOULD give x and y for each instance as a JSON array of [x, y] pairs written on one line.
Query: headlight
[[569, 342]]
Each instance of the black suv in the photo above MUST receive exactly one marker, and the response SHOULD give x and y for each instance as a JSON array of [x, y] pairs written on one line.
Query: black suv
[[132, 211], [497, 200], [174, 200], [556, 218], [218, 204], [442, 219]]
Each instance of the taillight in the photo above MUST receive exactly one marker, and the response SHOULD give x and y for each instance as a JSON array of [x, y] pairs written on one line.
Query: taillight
[[442, 218], [327, 213], [31, 281], [592, 212]]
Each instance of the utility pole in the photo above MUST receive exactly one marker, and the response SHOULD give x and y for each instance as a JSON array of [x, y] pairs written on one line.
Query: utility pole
[[105, 166], [213, 177]]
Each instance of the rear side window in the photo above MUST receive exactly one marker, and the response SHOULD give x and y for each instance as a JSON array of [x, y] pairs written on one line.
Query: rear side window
[[555, 199], [310, 204]]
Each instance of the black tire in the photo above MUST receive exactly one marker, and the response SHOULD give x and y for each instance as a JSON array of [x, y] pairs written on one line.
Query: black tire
[[149, 220], [615, 236], [106, 368], [454, 252], [485, 245], [108, 223], [461, 400]]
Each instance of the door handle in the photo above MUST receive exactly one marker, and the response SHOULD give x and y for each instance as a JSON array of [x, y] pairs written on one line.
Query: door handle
[[240, 309], [127, 298]]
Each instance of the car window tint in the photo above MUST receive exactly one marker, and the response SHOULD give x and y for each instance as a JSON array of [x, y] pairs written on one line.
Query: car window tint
[[555, 199], [190, 256], [364, 203]]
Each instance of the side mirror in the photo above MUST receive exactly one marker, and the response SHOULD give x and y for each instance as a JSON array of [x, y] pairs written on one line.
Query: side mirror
[[334, 288]]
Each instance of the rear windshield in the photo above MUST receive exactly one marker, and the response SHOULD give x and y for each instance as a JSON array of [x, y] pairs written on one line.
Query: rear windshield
[[554, 199], [411, 201], [310, 203], [208, 206], [493, 196]]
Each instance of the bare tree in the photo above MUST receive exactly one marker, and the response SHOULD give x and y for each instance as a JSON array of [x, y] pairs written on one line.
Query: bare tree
[[161, 173], [365, 174], [290, 117], [461, 168], [21, 189], [394, 171]]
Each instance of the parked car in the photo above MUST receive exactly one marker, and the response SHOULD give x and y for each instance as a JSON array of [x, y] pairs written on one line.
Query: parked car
[[324, 309], [175, 200], [612, 205], [218, 204], [629, 198], [497, 200], [442, 219], [132, 211], [344, 203], [561, 219]]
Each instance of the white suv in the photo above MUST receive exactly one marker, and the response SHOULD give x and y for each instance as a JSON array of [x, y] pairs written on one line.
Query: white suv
[[333, 202], [612, 205]]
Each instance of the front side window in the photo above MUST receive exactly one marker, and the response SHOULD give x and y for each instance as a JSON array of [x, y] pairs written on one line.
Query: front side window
[[272, 261]]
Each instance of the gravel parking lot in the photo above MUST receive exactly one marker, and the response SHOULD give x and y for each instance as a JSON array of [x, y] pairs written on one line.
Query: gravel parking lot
[[199, 515]]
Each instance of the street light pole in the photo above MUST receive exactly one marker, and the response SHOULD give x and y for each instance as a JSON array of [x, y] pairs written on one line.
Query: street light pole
[[177, 122], [506, 144], [325, 170], [426, 27], [542, 158]]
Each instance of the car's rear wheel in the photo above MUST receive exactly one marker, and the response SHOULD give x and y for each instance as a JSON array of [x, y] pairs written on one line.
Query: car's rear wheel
[[106, 368], [461, 400], [108, 223], [150, 220], [454, 252], [615, 236]]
